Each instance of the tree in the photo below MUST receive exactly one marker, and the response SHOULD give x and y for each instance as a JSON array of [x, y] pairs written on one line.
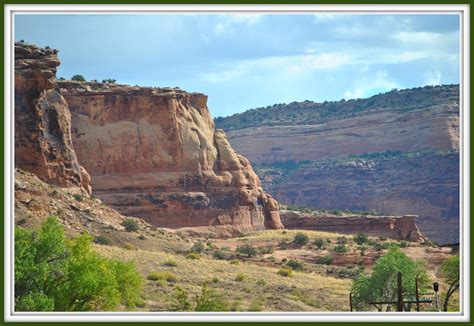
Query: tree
[[247, 249], [53, 273], [451, 272], [109, 81], [130, 225], [382, 284], [211, 300], [79, 78], [300, 239]]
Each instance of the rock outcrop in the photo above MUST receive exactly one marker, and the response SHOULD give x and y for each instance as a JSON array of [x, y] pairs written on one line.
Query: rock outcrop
[[154, 153], [43, 142], [396, 227]]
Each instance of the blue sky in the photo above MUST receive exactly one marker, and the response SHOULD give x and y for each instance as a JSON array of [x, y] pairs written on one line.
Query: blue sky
[[243, 61]]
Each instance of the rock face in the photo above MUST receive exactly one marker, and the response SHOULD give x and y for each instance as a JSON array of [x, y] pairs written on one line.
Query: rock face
[[396, 227], [43, 142], [154, 153], [395, 153]]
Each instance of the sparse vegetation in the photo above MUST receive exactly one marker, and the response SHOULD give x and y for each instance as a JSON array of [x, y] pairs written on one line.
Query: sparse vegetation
[[325, 260], [78, 197], [163, 276], [130, 225], [170, 263], [285, 272], [300, 239], [319, 243], [102, 240], [340, 248], [294, 265], [246, 249], [211, 300], [360, 238], [78, 78]]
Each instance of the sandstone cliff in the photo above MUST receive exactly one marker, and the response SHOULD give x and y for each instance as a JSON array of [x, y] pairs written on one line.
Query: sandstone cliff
[[396, 153], [396, 227], [43, 143], [154, 153]]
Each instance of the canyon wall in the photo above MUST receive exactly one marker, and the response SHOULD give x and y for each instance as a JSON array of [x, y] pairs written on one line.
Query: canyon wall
[[154, 153], [43, 142], [396, 153], [395, 227]]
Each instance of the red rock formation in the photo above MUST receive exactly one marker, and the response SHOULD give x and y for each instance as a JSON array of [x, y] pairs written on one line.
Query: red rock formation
[[43, 143], [397, 227], [154, 153]]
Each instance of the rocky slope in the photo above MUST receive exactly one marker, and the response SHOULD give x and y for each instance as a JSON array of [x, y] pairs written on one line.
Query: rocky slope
[[154, 153], [396, 153], [43, 142]]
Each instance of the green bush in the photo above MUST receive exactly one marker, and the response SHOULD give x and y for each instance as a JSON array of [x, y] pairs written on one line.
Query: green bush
[[341, 240], [79, 78], [285, 272], [340, 248], [102, 240], [78, 197], [283, 244], [300, 239], [240, 277], [246, 249], [404, 244], [360, 238], [319, 243], [266, 250], [56, 274], [325, 260], [170, 263], [211, 300], [193, 255], [223, 254], [162, 276], [182, 300], [141, 237], [197, 247], [130, 225], [295, 265]]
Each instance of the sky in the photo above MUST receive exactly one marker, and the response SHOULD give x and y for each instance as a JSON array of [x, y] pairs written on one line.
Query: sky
[[244, 61]]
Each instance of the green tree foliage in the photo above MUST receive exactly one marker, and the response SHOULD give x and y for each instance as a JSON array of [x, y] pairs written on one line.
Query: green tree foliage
[[211, 300], [319, 243], [109, 81], [451, 272], [130, 225], [360, 238], [382, 284], [246, 249], [53, 273], [79, 78], [300, 239]]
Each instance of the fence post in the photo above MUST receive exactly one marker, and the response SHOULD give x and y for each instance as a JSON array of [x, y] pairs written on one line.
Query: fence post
[[417, 295], [350, 300], [399, 292]]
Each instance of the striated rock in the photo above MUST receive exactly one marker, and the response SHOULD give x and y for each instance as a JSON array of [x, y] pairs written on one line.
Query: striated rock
[[396, 227], [43, 142], [154, 153]]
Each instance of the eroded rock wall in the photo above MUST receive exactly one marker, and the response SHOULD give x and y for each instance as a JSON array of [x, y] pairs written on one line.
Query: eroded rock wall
[[154, 153], [43, 142]]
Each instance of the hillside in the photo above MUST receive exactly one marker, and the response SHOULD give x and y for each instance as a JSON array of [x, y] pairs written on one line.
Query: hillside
[[396, 153]]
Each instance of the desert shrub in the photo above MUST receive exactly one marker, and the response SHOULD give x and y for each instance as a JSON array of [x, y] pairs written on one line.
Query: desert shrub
[[163, 276], [130, 225], [102, 240], [257, 304], [261, 281], [240, 277], [78, 197], [129, 246], [285, 272], [318, 242], [340, 248], [381, 246], [110, 81], [300, 239], [341, 240], [325, 260], [53, 273], [266, 250], [215, 279], [141, 237], [193, 255], [21, 221], [362, 250], [234, 262], [295, 265], [222, 254], [283, 244], [360, 238], [170, 263], [182, 300], [246, 249], [404, 244], [197, 247], [79, 78], [211, 300], [382, 238]]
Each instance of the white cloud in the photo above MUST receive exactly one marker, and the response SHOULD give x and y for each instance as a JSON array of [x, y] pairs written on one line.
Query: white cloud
[[323, 17], [227, 24], [369, 85], [418, 37], [433, 78], [310, 62]]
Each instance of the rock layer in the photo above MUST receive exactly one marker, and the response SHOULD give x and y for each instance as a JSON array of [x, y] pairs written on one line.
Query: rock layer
[[43, 142], [154, 153], [396, 227]]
